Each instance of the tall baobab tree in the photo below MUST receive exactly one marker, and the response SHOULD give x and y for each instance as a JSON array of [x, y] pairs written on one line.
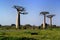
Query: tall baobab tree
[[44, 21], [20, 10], [50, 16]]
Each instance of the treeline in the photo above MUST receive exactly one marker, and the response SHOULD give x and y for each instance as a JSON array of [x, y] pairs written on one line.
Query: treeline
[[28, 26]]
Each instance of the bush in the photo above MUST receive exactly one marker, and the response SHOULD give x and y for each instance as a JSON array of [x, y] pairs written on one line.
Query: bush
[[13, 25], [27, 26], [0, 25], [39, 27], [54, 26]]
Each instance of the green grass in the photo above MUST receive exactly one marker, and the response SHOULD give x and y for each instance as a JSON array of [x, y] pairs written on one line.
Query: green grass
[[13, 34]]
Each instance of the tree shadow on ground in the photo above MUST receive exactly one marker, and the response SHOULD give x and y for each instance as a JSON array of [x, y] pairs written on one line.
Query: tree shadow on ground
[[16, 38]]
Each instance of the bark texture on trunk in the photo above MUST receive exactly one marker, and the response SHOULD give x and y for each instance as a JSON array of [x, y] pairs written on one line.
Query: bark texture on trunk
[[44, 21], [18, 20], [50, 21]]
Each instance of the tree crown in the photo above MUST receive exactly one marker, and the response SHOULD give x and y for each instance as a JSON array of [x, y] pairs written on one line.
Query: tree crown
[[44, 13], [50, 16]]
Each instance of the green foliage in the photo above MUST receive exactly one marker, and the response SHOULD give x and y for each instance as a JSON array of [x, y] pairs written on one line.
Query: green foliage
[[25, 34]]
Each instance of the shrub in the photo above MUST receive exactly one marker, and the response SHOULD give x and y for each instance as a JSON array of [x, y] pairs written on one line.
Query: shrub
[[13, 25], [27, 26], [54, 26]]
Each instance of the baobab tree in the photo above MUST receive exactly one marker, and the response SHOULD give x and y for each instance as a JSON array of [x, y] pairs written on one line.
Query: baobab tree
[[20, 10], [44, 21], [50, 17]]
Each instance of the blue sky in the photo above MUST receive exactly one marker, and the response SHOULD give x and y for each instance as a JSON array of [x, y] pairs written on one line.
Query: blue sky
[[33, 7]]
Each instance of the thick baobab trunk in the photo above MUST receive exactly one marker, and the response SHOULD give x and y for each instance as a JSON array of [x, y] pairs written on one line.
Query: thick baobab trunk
[[44, 21], [18, 20], [50, 21]]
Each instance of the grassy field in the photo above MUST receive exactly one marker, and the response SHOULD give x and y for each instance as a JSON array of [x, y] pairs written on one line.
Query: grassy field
[[21, 34]]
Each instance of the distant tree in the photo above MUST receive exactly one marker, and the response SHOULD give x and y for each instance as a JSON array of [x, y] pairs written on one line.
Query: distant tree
[[39, 27], [13, 25], [44, 13], [50, 17], [54, 26], [20, 10], [33, 26], [27, 26], [0, 25]]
